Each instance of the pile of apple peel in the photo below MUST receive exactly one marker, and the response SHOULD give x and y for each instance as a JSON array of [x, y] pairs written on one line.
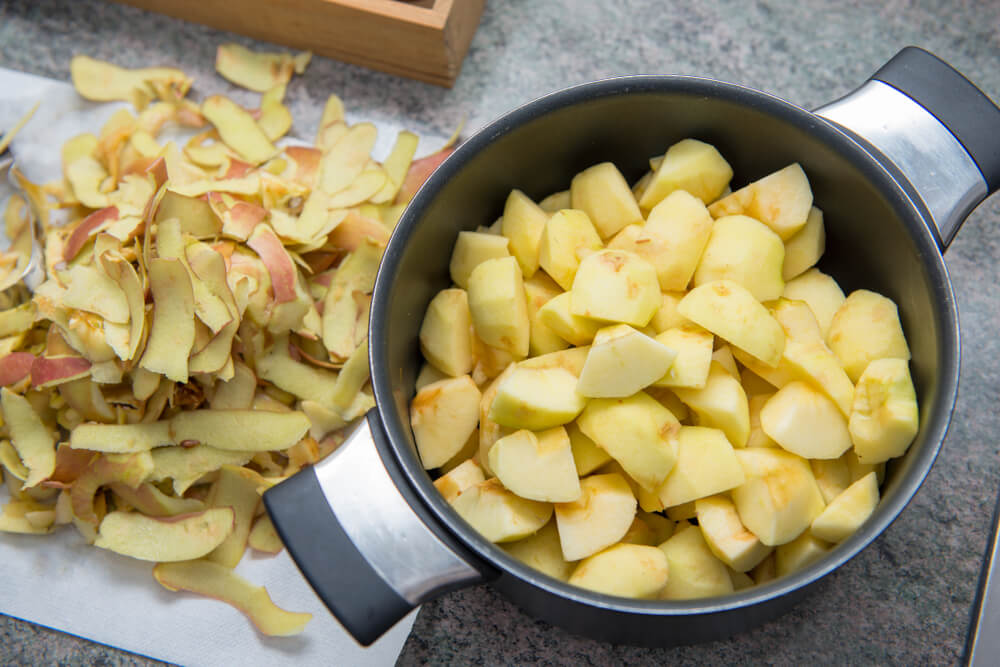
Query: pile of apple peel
[[651, 391], [201, 331]]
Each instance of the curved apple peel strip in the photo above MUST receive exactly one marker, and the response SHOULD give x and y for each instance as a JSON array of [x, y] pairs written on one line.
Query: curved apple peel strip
[[396, 165], [121, 438], [196, 216], [208, 307], [354, 230], [238, 129], [15, 367], [183, 464], [52, 371], [240, 430], [279, 265], [123, 274], [11, 461], [90, 289], [275, 118], [33, 442], [355, 273], [83, 231], [255, 70], [172, 333], [240, 494], [15, 518], [103, 82], [152, 502], [264, 538], [366, 185], [347, 158], [70, 465], [169, 539], [215, 581], [129, 469]]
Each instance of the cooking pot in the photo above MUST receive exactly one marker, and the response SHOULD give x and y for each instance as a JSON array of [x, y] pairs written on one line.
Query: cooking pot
[[896, 166]]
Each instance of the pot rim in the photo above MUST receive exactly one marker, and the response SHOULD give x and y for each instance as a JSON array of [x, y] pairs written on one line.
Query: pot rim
[[913, 218]]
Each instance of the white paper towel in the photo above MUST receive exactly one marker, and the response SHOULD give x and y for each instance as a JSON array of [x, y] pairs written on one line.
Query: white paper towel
[[61, 582]]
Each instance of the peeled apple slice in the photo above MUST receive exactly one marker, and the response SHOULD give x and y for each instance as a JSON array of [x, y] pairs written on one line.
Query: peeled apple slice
[[443, 415], [537, 466], [638, 432], [616, 286], [216, 581], [695, 572], [600, 517], [730, 311], [622, 361], [626, 570], [498, 514], [178, 538], [884, 418], [848, 511], [805, 422], [537, 399]]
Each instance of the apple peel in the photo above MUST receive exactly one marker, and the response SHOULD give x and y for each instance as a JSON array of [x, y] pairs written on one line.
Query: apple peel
[[218, 582], [32, 440], [177, 538]]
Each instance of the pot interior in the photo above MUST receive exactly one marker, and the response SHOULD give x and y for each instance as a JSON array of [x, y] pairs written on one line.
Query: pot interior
[[875, 240]]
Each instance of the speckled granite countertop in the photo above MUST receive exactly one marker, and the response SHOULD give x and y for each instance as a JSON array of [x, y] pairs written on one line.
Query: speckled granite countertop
[[906, 599]]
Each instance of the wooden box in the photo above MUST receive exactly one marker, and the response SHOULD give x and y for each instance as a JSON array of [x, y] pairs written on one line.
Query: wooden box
[[422, 39]]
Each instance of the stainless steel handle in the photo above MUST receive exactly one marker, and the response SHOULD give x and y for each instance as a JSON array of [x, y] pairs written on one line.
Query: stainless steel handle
[[932, 126], [368, 553], [983, 648]]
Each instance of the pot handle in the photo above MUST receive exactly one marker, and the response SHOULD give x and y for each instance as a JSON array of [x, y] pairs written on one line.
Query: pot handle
[[933, 127], [366, 549]]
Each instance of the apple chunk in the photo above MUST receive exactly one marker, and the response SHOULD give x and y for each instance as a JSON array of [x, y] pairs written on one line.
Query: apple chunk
[[463, 476], [626, 570], [745, 251], [691, 366], [446, 332], [600, 517], [178, 538], [568, 236], [537, 399], [695, 572], [500, 515], [523, 223], [602, 193], [672, 239], [543, 552], [780, 497], [537, 467], [866, 328], [805, 422], [848, 511], [730, 311], [638, 432], [884, 417], [781, 201], [706, 465], [821, 292], [219, 582], [616, 286], [726, 535], [622, 361], [443, 415], [720, 404], [471, 250], [498, 306], [689, 166], [557, 316]]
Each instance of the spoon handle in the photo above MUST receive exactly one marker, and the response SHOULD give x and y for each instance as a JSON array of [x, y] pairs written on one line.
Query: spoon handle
[[983, 647]]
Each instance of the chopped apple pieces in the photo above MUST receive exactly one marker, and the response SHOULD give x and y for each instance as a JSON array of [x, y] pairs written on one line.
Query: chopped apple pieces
[[686, 357]]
